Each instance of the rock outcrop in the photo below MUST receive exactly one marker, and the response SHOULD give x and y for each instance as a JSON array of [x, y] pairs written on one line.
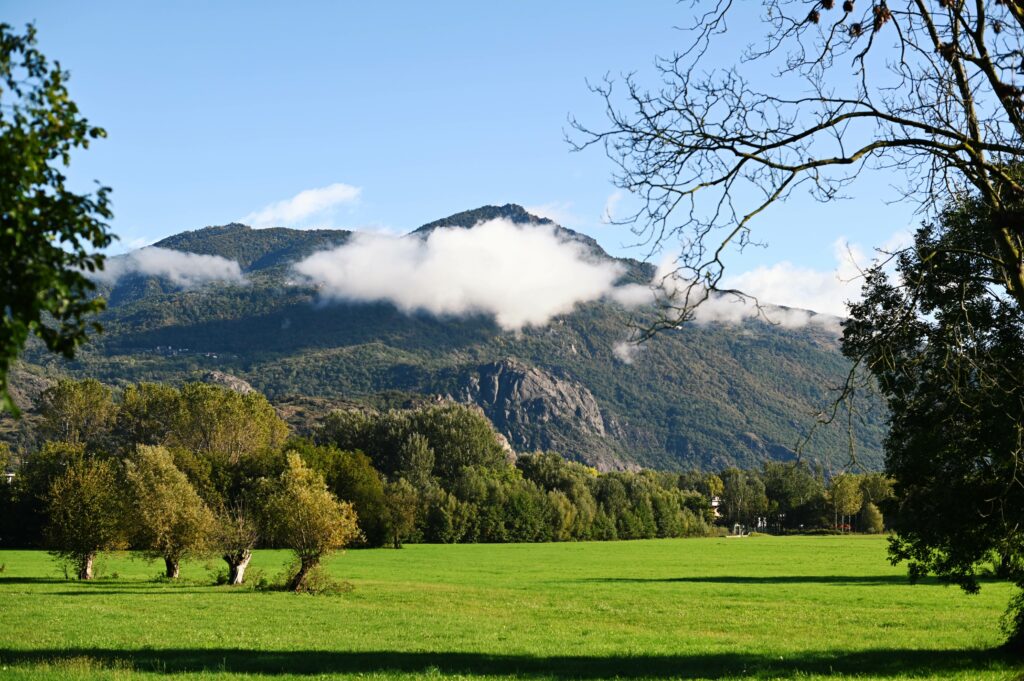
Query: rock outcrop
[[532, 406], [228, 381]]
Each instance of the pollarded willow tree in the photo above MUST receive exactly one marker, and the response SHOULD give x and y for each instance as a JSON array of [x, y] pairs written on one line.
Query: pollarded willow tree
[[930, 90], [301, 514], [171, 520]]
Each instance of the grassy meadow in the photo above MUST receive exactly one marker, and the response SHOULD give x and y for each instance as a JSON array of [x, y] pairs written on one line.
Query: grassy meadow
[[755, 607]]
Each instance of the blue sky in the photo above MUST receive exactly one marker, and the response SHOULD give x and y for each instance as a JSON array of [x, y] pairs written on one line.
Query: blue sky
[[413, 110]]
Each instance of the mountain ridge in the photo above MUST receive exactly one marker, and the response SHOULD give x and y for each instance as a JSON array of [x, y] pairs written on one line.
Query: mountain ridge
[[702, 396]]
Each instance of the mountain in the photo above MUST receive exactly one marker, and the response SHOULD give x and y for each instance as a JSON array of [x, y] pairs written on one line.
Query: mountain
[[702, 396]]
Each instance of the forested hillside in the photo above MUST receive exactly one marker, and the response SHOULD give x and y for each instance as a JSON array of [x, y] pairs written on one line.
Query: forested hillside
[[703, 396]]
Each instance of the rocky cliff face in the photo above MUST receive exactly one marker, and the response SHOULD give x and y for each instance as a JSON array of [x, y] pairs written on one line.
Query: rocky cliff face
[[531, 407]]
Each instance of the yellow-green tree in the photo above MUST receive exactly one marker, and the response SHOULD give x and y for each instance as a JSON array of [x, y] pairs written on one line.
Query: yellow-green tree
[[401, 501], [146, 414], [78, 412], [302, 515], [217, 420], [169, 518], [85, 513], [846, 496]]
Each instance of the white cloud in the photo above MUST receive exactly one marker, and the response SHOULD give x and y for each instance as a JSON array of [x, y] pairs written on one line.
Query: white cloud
[[729, 309], [626, 351], [633, 295], [520, 275], [304, 205], [790, 296], [182, 269], [556, 211], [787, 284], [824, 291]]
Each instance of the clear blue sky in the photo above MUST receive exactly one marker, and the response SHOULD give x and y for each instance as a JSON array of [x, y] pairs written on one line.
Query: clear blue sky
[[215, 110]]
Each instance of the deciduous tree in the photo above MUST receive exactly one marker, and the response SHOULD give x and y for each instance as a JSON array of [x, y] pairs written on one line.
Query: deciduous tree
[[86, 514], [217, 420], [944, 344], [236, 534], [50, 237], [78, 412], [933, 90], [845, 496], [400, 502], [169, 519], [302, 515]]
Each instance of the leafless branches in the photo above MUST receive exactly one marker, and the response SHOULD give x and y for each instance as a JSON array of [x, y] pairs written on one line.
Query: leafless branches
[[926, 87]]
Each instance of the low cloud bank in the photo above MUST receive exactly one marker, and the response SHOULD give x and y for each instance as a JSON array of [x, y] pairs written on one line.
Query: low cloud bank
[[524, 275], [182, 269], [520, 275]]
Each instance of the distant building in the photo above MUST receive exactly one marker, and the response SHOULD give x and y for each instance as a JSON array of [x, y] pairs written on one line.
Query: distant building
[[715, 503], [9, 477]]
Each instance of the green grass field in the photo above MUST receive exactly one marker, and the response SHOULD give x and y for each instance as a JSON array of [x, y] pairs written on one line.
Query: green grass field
[[757, 607]]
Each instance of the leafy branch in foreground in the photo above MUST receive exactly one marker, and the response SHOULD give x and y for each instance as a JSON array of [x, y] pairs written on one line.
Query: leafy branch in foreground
[[48, 234]]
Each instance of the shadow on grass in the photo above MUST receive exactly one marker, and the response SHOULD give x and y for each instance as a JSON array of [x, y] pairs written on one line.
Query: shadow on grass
[[33, 580], [876, 662], [98, 587], [171, 590]]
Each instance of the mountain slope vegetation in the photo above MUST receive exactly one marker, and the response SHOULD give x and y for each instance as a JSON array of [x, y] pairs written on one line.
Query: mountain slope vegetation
[[702, 396]]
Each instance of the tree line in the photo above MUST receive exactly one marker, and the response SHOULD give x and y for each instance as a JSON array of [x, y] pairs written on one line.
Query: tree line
[[201, 470]]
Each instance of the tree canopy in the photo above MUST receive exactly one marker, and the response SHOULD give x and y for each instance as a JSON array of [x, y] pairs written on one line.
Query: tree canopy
[[944, 343], [49, 235]]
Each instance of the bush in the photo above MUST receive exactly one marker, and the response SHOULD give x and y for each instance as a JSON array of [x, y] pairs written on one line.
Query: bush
[[872, 520]]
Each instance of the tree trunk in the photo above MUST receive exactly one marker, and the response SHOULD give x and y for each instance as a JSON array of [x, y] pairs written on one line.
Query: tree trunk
[[173, 567], [85, 566], [237, 563], [298, 582]]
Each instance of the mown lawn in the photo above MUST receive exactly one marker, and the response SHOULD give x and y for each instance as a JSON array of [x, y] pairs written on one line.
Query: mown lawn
[[757, 607]]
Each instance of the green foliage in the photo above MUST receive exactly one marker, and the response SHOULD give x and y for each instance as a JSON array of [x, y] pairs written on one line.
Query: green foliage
[[78, 412], [351, 477], [796, 494], [743, 497], [416, 461], [302, 515], [448, 436], [945, 346], [754, 381], [468, 491], [170, 519], [877, 487], [845, 496], [871, 519], [146, 413], [85, 513], [48, 234], [401, 502], [220, 421]]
